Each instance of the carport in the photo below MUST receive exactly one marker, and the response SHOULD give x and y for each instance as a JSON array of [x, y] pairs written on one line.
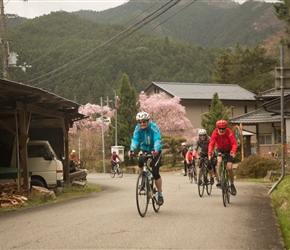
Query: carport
[[28, 112]]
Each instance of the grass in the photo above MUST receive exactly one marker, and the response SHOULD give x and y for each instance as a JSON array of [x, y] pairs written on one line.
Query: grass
[[67, 193], [281, 202]]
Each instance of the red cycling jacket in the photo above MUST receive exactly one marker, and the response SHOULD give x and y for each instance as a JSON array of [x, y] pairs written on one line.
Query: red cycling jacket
[[225, 143]]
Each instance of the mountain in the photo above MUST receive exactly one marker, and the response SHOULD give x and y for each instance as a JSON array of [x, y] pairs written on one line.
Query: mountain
[[208, 24]]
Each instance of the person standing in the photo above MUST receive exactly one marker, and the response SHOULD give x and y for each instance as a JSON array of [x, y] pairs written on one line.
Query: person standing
[[184, 150], [147, 135], [73, 161], [225, 142]]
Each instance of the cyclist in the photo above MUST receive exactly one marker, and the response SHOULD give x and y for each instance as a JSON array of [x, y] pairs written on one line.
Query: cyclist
[[113, 160], [183, 152], [224, 141], [202, 143], [189, 158], [147, 134]]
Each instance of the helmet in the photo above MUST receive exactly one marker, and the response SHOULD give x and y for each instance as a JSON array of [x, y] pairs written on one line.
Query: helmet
[[201, 132], [190, 149], [221, 124], [142, 116], [73, 151], [183, 144]]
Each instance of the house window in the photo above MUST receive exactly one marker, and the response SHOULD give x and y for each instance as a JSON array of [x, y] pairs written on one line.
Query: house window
[[245, 109], [265, 139], [156, 90], [277, 132]]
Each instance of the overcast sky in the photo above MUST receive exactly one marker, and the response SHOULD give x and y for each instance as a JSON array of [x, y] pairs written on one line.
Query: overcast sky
[[34, 8]]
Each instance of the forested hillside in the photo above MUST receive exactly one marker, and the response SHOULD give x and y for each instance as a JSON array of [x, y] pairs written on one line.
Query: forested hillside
[[82, 56], [208, 24], [82, 60]]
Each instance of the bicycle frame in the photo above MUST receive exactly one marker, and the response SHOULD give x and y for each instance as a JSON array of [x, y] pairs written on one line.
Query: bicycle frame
[[224, 180]]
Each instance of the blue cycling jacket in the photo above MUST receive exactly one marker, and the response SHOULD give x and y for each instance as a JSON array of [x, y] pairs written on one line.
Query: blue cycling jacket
[[149, 138]]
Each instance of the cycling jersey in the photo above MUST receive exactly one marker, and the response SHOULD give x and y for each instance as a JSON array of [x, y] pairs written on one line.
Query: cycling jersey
[[225, 143], [149, 138], [203, 145]]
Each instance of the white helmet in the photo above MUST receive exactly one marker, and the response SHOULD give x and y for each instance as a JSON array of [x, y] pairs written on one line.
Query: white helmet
[[201, 132], [142, 116], [183, 144]]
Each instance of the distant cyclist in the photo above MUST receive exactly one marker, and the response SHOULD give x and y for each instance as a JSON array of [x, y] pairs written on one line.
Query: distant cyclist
[[202, 144], [225, 142], [190, 161], [113, 160], [147, 134], [183, 152]]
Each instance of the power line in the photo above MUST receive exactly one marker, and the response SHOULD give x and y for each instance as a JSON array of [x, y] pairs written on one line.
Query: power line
[[122, 35]]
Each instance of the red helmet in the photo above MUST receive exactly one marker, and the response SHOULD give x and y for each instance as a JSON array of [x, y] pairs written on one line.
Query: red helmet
[[221, 124]]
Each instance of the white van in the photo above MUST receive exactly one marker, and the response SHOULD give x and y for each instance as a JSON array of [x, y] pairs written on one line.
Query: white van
[[46, 168]]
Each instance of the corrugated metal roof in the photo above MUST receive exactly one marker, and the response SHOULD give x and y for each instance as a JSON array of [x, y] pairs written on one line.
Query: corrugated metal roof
[[256, 117], [204, 90], [271, 93]]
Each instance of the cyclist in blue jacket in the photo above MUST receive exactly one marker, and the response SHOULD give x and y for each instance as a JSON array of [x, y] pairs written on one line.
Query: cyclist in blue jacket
[[147, 134]]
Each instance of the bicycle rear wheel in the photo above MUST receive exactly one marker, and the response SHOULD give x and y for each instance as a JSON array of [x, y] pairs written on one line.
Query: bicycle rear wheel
[[155, 204], [200, 183], [142, 194], [208, 183]]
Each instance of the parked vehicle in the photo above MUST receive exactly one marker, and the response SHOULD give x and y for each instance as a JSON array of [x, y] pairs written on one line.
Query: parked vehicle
[[46, 168]]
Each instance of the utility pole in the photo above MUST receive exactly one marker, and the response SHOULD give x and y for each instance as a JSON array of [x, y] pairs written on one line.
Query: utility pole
[[4, 42], [103, 139], [116, 122]]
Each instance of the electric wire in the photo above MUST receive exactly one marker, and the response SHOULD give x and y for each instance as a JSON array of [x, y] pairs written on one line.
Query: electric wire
[[122, 35]]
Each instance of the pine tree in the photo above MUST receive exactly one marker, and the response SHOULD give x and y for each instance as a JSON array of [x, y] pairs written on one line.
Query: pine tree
[[216, 112], [127, 108]]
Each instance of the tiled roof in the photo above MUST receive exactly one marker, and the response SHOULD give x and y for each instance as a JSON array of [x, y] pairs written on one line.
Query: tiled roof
[[255, 117], [204, 90]]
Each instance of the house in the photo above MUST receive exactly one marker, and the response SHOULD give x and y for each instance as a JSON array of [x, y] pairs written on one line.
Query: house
[[267, 120], [197, 97]]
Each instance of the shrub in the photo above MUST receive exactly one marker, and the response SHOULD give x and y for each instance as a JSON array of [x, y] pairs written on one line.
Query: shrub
[[256, 166]]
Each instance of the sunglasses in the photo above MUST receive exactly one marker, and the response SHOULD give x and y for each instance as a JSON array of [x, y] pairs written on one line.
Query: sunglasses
[[142, 122], [221, 129]]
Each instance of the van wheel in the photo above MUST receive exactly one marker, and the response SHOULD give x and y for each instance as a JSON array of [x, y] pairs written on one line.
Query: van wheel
[[37, 182]]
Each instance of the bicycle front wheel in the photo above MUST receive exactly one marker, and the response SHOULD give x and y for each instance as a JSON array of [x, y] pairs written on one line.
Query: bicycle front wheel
[[224, 191], [142, 194], [200, 183], [228, 191], [190, 175], [120, 172], [112, 174], [208, 183]]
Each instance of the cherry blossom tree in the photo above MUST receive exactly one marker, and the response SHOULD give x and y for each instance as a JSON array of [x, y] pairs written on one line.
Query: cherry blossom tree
[[169, 115]]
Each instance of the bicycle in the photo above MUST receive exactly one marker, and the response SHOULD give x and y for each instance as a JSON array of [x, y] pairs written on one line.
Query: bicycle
[[117, 169], [192, 172], [224, 180], [146, 190], [204, 177]]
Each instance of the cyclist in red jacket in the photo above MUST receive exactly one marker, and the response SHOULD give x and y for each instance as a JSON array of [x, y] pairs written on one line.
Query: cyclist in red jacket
[[225, 142]]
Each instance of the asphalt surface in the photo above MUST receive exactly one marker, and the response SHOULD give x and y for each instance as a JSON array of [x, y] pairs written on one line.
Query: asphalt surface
[[109, 219]]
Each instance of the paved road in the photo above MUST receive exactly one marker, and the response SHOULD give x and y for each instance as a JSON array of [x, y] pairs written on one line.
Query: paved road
[[109, 220]]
